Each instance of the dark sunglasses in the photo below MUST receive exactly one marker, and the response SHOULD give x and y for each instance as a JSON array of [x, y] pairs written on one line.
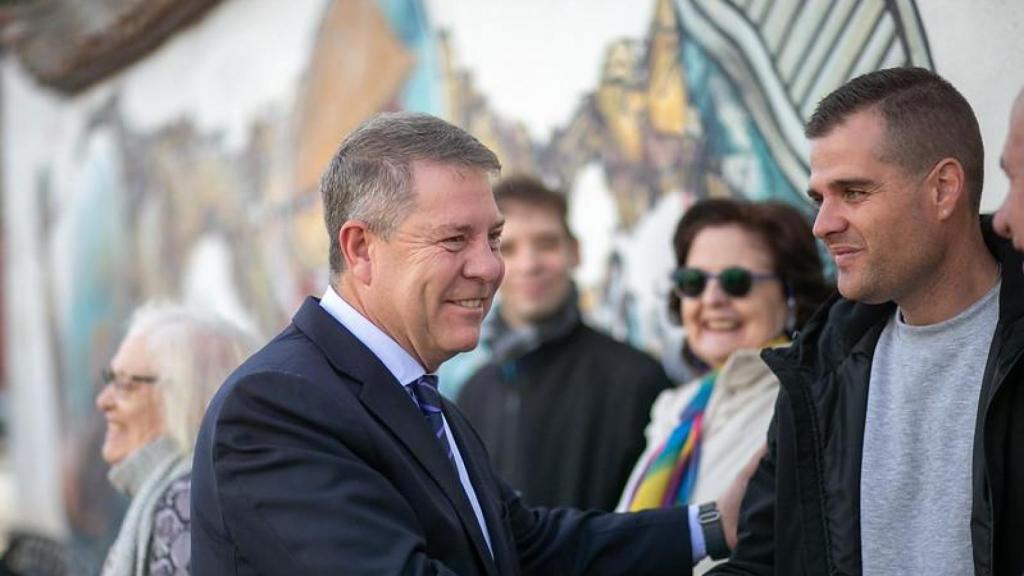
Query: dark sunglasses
[[735, 281]]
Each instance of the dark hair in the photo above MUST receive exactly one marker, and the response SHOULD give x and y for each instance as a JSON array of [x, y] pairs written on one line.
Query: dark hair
[[370, 176], [926, 120], [785, 233], [530, 191]]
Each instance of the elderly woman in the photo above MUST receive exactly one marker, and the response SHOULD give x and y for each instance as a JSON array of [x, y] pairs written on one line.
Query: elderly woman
[[154, 393], [749, 275]]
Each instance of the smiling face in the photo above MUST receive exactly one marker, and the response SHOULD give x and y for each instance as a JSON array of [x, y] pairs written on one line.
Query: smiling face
[[872, 214], [717, 324], [433, 279], [539, 258], [134, 413]]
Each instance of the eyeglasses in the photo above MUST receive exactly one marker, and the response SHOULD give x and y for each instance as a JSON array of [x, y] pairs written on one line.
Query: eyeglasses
[[124, 384], [735, 281]]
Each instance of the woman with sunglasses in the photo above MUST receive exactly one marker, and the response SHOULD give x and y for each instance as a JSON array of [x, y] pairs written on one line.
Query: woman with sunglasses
[[748, 276], [152, 397]]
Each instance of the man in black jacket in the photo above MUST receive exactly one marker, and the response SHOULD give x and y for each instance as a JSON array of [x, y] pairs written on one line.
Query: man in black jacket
[[894, 449], [561, 407]]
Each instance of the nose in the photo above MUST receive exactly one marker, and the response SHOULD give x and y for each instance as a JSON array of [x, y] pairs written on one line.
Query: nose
[[828, 221], [1007, 220], [484, 263], [713, 294], [105, 398]]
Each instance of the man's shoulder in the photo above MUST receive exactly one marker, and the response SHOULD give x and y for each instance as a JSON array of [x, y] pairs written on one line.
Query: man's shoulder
[[289, 352], [291, 369], [584, 346], [837, 328], [607, 363], [481, 388], [604, 349], [839, 331]]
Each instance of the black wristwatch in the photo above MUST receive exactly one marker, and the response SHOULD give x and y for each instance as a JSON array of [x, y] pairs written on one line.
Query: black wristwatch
[[714, 536]]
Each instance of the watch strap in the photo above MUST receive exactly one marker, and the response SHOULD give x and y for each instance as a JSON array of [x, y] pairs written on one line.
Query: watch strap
[[714, 536]]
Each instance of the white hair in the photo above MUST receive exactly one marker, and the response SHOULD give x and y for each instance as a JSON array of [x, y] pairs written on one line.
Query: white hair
[[192, 352]]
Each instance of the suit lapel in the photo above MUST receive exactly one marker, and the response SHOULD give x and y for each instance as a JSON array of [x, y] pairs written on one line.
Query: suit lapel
[[397, 412], [477, 462], [387, 400]]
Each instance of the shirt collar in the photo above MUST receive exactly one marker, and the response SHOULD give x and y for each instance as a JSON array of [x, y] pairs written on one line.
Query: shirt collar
[[400, 363]]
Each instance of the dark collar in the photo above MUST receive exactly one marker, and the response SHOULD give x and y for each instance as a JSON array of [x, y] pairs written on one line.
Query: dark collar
[[505, 343], [843, 327]]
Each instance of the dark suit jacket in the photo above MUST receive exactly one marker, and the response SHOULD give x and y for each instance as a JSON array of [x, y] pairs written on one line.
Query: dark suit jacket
[[312, 459]]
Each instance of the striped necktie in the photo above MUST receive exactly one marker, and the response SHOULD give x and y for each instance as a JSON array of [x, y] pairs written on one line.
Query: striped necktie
[[424, 390]]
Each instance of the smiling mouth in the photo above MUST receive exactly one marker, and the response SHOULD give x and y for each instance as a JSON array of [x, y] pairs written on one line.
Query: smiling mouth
[[472, 304], [721, 325], [838, 251]]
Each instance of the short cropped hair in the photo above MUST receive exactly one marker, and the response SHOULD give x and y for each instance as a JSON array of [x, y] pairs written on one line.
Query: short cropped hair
[[530, 191], [370, 176], [926, 120], [192, 353], [786, 235]]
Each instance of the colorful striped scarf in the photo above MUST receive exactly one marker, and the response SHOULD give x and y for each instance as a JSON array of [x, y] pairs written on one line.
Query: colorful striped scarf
[[671, 472]]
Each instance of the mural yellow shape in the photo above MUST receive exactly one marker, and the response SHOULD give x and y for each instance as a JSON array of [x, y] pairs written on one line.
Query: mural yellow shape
[[666, 90], [358, 68]]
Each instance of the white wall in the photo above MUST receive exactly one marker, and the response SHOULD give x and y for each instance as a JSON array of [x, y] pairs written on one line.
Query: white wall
[[979, 47]]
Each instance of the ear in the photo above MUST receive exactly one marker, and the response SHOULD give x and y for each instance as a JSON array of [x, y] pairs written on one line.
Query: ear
[[356, 242], [948, 187]]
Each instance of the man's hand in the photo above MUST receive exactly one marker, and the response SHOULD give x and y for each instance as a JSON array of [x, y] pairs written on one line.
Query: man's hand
[[729, 501]]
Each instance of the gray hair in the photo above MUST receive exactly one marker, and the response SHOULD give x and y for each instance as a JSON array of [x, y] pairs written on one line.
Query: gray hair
[[370, 176], [192, 353]]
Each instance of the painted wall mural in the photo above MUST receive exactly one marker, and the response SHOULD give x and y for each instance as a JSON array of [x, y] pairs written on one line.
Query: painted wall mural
[[709, 102]]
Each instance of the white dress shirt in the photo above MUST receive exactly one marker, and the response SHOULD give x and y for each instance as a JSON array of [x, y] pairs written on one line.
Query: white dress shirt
[[406, 370]]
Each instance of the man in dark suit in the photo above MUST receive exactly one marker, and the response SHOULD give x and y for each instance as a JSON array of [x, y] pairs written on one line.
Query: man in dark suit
[[330, 450]]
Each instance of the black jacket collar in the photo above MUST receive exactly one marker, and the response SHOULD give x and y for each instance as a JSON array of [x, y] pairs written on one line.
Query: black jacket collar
[[843, 327]]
